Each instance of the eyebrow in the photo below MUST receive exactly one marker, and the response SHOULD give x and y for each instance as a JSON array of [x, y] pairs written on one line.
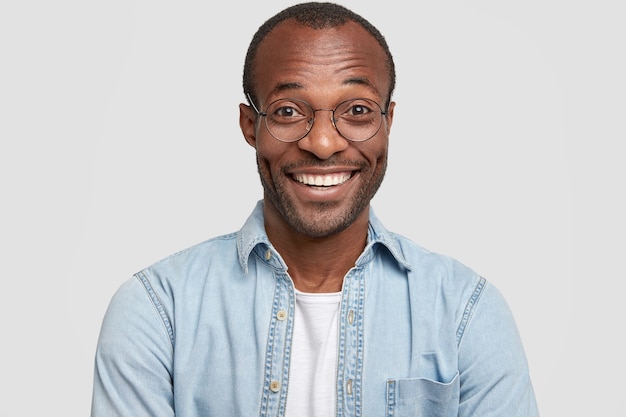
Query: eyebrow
[[361, 81], [286, 87]]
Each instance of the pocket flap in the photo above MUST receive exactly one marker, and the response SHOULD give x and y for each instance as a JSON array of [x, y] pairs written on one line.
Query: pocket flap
[[422, 397]]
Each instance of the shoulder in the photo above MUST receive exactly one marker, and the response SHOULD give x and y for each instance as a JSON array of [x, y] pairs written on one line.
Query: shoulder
[[190, 263], [151, 294], [183, 271], [441, 281], [424, 264], [420, 263]]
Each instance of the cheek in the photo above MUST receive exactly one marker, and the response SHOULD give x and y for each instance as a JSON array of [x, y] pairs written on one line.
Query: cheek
[[377, 151], [269, 157]]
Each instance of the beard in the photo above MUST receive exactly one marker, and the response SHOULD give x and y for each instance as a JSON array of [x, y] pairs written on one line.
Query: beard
[[321, 219]]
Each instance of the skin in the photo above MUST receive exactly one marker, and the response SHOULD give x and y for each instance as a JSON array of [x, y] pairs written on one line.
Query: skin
[[319, 231]]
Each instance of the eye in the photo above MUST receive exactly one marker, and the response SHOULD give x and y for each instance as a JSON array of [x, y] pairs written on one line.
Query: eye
[[358, 109], [286, 111]]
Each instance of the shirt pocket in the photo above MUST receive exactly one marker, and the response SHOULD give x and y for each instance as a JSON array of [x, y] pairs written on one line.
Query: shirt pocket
[[422, 397]]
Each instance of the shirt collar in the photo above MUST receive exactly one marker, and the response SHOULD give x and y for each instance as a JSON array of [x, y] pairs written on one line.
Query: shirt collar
[[252, 237]]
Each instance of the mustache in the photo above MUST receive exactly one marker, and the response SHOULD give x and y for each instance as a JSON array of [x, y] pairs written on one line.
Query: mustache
[[328, 163]]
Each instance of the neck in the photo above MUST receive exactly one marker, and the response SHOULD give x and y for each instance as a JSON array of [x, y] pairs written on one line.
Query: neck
[[318, 264]]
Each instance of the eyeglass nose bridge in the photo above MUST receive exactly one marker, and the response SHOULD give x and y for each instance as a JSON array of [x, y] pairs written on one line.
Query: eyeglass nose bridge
[[311, 121]]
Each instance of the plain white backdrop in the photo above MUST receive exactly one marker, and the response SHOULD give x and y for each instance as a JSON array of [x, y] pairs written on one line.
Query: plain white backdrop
[[120, 145]]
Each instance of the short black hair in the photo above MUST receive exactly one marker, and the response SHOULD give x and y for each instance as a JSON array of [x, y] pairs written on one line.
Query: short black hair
[[317, 15]]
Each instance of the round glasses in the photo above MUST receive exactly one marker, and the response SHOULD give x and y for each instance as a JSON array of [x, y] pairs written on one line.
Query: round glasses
[[290, 119]]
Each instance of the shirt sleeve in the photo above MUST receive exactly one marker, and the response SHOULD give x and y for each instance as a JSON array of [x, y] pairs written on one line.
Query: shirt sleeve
[[494, 372], [134, 356]]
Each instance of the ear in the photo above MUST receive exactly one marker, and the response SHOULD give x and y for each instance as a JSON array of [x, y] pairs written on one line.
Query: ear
[[247, 123], [392, 106]]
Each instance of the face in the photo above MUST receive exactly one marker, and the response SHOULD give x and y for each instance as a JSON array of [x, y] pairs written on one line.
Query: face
[[321, 184]]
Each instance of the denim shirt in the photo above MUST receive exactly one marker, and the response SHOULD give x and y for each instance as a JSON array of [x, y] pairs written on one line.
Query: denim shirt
[[208, 332]]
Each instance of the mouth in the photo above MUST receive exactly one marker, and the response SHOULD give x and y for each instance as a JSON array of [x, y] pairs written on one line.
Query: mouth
[[325, 180]]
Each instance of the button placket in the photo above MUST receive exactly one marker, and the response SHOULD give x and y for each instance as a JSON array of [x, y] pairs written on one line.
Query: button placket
[[278, 348], [351, 345]]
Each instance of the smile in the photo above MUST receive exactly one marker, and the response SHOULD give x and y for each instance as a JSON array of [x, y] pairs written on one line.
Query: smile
[[327, 180]]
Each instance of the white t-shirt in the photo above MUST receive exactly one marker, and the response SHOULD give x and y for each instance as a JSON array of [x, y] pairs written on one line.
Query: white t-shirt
[[313, 367]]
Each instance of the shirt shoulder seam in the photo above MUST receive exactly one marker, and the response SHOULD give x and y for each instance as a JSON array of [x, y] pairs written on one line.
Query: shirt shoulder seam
[[158, 305], [469, 308]]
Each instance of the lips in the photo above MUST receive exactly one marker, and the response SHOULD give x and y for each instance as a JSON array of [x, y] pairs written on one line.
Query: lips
[[325, 180]]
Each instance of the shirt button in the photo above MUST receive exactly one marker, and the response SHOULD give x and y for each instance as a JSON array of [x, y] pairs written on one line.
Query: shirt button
[[281, 315], [349, 387], [275, 386], [268, 255]]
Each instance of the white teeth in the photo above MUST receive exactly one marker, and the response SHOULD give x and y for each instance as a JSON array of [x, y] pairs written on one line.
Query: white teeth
[[323, 180]]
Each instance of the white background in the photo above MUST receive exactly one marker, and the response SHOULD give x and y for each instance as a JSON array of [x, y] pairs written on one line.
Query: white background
[[120, 145]]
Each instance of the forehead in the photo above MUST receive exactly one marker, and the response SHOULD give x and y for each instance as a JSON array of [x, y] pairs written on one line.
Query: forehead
[[297, 57]]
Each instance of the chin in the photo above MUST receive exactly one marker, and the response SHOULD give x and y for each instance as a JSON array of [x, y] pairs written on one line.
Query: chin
[[324, 221]]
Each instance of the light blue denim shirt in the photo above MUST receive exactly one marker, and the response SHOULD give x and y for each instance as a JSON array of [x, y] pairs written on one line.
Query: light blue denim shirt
[[207, 332]]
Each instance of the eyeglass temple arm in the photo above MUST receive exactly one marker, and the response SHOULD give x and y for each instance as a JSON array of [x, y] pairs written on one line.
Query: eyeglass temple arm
[[254, 107]]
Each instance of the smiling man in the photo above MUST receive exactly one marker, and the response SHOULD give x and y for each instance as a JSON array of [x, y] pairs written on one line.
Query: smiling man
[[321, 142], [312, 308]]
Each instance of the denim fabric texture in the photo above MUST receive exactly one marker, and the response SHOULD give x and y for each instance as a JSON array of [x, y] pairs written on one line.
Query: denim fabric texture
[[207, 332]]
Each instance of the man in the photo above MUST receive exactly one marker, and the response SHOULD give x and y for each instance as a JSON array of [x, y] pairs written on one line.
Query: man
[[313, 308]]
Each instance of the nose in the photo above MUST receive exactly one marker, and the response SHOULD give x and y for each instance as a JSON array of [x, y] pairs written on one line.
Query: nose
[[323, 139]]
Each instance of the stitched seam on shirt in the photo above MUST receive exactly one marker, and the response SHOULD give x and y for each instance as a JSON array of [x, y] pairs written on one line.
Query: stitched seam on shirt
[[469, 308], [156, 302]]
